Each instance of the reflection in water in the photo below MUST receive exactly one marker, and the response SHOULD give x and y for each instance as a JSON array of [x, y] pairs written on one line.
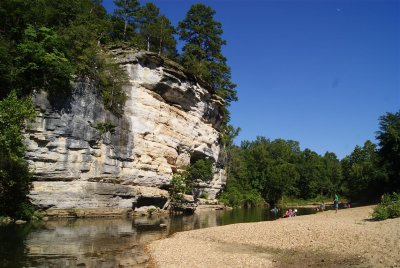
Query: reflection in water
[[103, 242]]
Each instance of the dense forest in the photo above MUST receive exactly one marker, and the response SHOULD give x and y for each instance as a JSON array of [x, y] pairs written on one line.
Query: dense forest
[[265, 170], [48, 45]]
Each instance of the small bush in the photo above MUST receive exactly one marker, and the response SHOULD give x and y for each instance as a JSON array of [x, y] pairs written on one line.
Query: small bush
[[179, 185], [235, 196], [231, 197], [151, 210], [388, 208], [380, 213], [105, 127]]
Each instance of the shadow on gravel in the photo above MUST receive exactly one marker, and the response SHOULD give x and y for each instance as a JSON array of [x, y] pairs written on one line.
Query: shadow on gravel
[[291, 258], [297, 258]]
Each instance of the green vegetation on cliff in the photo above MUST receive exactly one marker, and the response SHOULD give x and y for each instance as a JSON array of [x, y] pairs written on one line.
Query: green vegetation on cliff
[[202, 51], [45, 45], [187, 180]]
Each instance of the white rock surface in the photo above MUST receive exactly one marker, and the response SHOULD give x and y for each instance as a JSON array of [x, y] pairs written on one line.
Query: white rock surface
[[170, 118]]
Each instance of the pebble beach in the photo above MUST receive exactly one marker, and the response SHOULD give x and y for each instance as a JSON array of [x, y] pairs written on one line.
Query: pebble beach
[[348, 238]]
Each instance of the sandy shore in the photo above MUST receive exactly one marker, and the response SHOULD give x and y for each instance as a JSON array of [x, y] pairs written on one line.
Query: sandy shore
[[326, 239]]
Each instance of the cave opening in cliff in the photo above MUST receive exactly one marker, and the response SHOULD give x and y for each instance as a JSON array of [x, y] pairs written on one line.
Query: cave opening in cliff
[[196, 156], [201, 169]]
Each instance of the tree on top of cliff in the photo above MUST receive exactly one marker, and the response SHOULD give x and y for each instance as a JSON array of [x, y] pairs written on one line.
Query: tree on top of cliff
[[126, 10], [202, 52], [156, 30]]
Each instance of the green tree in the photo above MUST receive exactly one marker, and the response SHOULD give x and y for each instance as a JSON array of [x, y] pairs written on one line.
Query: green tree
[[126, 10], [40, 62], [318, 175], [5, 70], [83, 36], [332, 179], [362, 173], [165, 38], [279, 168], [229, 133], [112, 78], [309, 170], [202, 52], [389, 149], [267, 167], [147, 20], [14, 173], [156, 30]]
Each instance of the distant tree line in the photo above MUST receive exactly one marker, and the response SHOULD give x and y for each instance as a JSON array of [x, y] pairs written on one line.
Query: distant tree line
[[268, 170]]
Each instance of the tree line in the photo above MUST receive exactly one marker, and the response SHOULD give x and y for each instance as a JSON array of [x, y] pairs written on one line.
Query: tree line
[[269, 170]]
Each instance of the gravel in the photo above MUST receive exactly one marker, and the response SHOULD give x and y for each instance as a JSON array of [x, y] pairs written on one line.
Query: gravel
[[328, 239]]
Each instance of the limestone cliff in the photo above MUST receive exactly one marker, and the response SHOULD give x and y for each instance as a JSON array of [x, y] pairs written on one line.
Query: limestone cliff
[[170, 119]]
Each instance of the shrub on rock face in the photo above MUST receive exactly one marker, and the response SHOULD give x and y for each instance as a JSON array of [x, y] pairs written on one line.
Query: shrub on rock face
[[151, 210], [183, 182], [388, 208]]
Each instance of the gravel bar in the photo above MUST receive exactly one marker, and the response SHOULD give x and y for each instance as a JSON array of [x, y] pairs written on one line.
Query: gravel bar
[[348, 238]]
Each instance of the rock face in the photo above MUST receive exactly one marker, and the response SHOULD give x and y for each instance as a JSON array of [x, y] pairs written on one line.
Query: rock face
[[170, 119]]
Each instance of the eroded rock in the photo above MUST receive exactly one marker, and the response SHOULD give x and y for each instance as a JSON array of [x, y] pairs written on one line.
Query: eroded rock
[[169, 117]]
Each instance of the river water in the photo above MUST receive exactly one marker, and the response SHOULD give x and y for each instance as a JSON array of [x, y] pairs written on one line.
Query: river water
[[106, 242]]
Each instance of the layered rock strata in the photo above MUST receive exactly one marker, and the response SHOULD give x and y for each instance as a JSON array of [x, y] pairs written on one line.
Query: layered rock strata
[[170, 119]]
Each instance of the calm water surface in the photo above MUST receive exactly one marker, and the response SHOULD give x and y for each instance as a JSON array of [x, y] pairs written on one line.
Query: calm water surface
[[103, 242]]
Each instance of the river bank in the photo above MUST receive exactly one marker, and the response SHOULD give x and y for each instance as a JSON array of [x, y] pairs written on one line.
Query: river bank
[[348, 238]]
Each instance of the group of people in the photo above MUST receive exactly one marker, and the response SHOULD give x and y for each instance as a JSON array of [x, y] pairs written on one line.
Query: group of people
[[290, 213], [293, 212]]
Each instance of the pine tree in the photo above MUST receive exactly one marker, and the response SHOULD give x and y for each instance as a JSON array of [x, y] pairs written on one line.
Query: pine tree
[[167, 42], [147, 19], [156, 30], [126, 10], [202, 52]]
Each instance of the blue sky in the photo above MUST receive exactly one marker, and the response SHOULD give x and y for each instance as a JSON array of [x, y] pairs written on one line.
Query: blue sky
[[318, 72]]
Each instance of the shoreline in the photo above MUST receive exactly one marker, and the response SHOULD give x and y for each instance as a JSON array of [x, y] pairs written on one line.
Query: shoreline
[[343, 239]]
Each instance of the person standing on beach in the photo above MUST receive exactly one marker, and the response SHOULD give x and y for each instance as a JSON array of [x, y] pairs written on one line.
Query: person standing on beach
[[336, 202], [322, 206]]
